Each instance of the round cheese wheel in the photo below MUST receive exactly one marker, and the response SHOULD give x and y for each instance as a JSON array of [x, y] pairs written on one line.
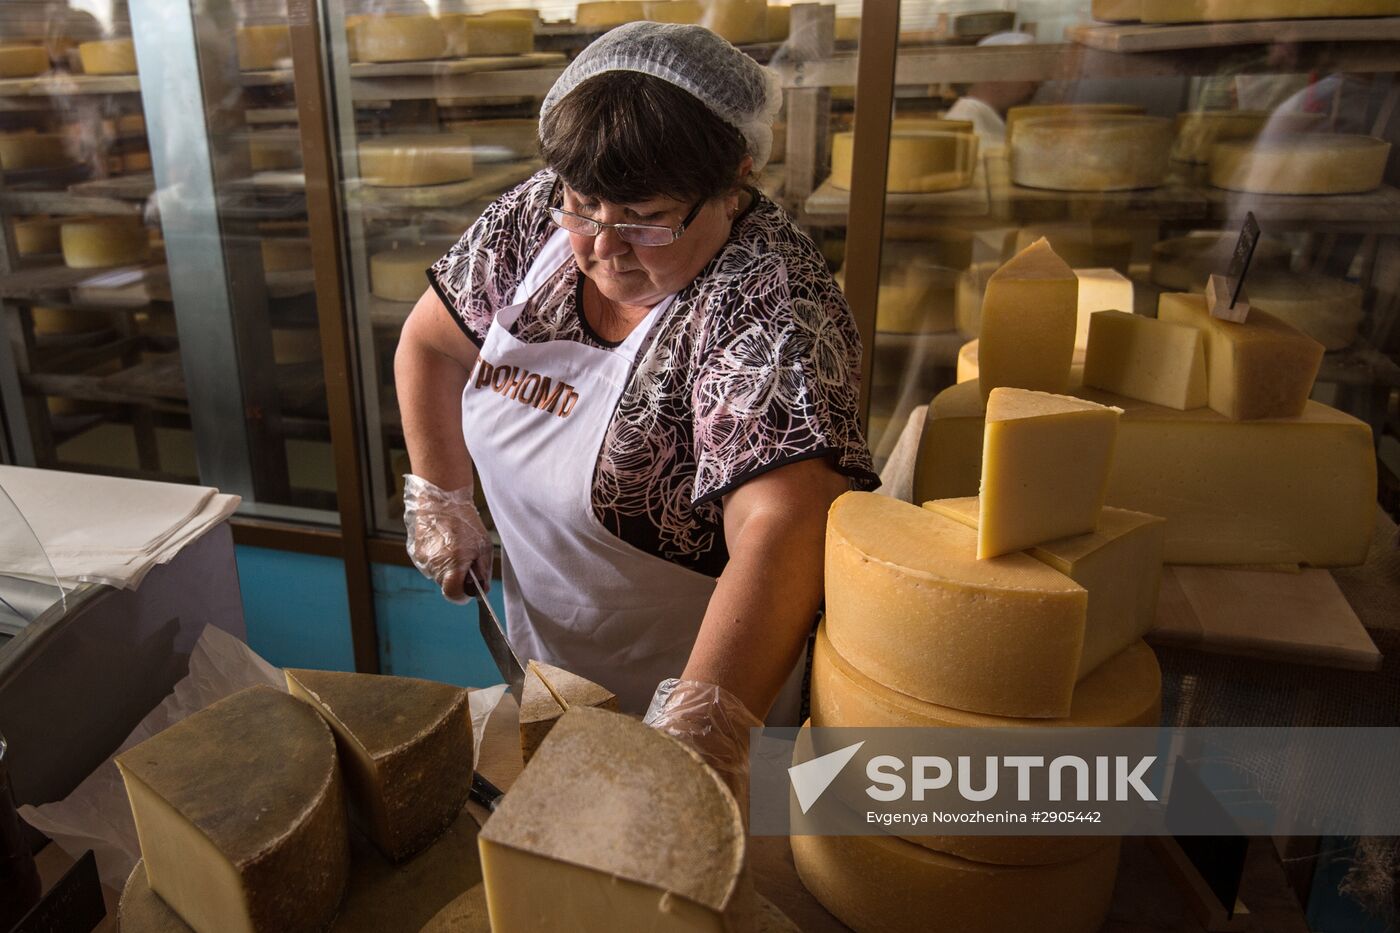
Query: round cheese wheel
[[97, 242], [23, 61], [1036, 111], [270, 152], [847, 29], [674, 11], [1197, 132], [32, 150], [742, 22], [108, 57], [286, 254], [884, 884], [1325, 163], [1082, 246], [479, 36], [605, 14], [399, 274], [295, 345], [1117, 11], [1106, 152], [262, 48], [410, 160], [920, 161], [779, 22], [37, 236], [1185, 263], [1326, 309], [397, 38]]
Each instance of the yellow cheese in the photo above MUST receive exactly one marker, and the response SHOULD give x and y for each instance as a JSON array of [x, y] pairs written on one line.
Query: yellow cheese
[[920, 161], [741, 22], [969, 368], [1117, 11], [1099, 290], [37, 236], [1262, 368], [1198, 131], [270, 152], [586, 840], [549, 692], [96, 242], [1037, 111], [1283, 491], [514, 13], [884, 884], [909, 603], [23, 61], [250, 841], [847, 29], [1029, 315], [1045, 461], [67, 320], [262, 48], [32, 150], [1185, 264], [674, 11], [1326, 309], [1143, 358], [1106, 152], [286, 254], [108, 57], [296, 345], [406, 749], [605, 14], [1322, 163], [967, 305], [916, 297], [1082, 246], [397, 38], [401, 274], [469, 36], [1206, 11], [409, 160], [779, 22]]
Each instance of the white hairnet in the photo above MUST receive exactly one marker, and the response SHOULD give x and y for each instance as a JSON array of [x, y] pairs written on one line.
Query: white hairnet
[[737, 89]]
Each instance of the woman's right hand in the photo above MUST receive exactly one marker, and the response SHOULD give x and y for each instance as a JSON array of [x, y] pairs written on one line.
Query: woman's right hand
[[446, 536]]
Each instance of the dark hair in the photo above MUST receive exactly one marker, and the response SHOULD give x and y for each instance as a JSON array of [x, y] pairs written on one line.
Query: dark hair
[[625, 137]]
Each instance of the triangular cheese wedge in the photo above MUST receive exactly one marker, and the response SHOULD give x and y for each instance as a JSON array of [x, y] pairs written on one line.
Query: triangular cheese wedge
[[406, 749], [548, 693]]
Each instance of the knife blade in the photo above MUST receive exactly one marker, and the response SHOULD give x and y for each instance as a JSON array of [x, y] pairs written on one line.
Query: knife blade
[[494, 634]]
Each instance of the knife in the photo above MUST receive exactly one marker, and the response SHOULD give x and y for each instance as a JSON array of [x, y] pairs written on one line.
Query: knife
[[494, 633]]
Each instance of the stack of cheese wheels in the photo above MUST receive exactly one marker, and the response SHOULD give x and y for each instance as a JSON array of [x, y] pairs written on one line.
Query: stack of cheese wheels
[[1322, 163], [1185, 264], [605, 14], [1207, 11], [1117, 11], [32, 150], [740, 21], [396, 38], [1104, 152], [412, 160], [108, 57], [400, 274], [1015, 115], [262, 48], [23, 61], [921, 161], [480, 36], [98, 242], [1198, 131]]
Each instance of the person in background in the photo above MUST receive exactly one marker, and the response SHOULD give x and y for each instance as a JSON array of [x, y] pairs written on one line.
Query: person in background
[[985, 103]]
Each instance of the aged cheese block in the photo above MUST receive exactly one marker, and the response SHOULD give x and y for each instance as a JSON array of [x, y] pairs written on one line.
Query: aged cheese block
[[1312, 502], [1037, 111], [1029, 314], [884, 884], [1206, 11], [406, 748], [1321, 163], [249, 841], [469, 36], [1099, 290], [605, 14], [1117, 11], [96, 242], [1326, 309], [1198, 131], [1262, 368], [779, 22], [909, 603], [108, 57], [401, 274], [969, 368], [1045, 461], [921, 161], [674, 11], [1144, 358], [23, 61], [397, 38], [1082, 246], [549, 693], [32, 150], [37, 236], [409, 160], [262, 48], [1184, 264], [740, 21], [586, 840], [1106, 152], [1120, 565]]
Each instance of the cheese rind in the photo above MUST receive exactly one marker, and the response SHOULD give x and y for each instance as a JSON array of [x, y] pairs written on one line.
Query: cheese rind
[[410, 160], [248, 841], [1262, 368], [909, 604], [261, 48], [920, 161], [1045, 461], [1111, 152], [548, 693], [23, 61], [406, 748], [1148, 359], [32, 150], [108, 57], [1029, 314], [397, 38], [98, 242], [1207, 11], [1321, 163]]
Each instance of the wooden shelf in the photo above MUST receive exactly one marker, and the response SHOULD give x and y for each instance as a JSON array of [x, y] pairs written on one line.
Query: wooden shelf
[[64, 85], [394, 201], [1145, 37]]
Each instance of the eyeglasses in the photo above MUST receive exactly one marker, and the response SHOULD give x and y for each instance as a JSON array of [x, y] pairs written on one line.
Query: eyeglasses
[[636, 234]]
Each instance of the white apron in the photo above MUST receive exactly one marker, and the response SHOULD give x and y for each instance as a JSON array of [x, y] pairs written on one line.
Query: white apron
[[534, 416]]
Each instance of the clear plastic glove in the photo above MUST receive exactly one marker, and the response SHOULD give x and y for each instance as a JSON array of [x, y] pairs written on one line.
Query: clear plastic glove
[[446, 537], [713, 722]]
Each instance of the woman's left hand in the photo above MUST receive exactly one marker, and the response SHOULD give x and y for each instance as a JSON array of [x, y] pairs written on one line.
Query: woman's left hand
[[714, 723]]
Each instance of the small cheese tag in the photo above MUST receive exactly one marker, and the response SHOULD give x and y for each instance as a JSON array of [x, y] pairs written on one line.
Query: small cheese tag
[[1219, 290]]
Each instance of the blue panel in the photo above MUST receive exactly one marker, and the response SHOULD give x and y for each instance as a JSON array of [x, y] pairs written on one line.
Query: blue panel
[[423, 635], [296, 607]]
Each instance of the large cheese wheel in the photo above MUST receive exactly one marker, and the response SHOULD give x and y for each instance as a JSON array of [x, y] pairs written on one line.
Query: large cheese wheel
[[1206, 11], [674, 11], [1117, 11], [261, 48], [411, 159], [1326, 309], [1083, 246], [397, 38], [739, 21], [37, 236], [920, 161], [398, 274], [916, 298], [1319, 164], [605, 14], [1185, 263], [23, 61], [32, 150], [97, 242], [108, 57], [1198, 131], [884, 884], [479, 36], [286, 254], [1015, 115], [1109, 152]]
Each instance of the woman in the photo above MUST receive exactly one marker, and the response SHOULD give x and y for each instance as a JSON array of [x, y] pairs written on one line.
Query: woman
[[656, 379]]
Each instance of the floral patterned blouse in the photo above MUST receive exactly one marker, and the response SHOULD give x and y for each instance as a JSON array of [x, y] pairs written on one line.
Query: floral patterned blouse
[[754, 366]]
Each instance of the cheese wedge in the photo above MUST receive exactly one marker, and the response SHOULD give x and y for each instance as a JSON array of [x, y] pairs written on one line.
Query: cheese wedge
[[401, 274], [410, 160], [406, 748], [909, 603], [1148, 359], [99, 242], [586, 839], [397, 38], [1320, 163], [1262, 368], [1099, 290], [1105, 152], [108, 57], [1278, 491], [252, 841], [1029, 315], [262, 48], [23, 61], [549, 693], [32, 150], [1082, 246]]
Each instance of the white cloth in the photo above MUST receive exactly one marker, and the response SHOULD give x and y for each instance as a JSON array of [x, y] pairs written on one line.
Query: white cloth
[[986, 122], [534, 416]]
